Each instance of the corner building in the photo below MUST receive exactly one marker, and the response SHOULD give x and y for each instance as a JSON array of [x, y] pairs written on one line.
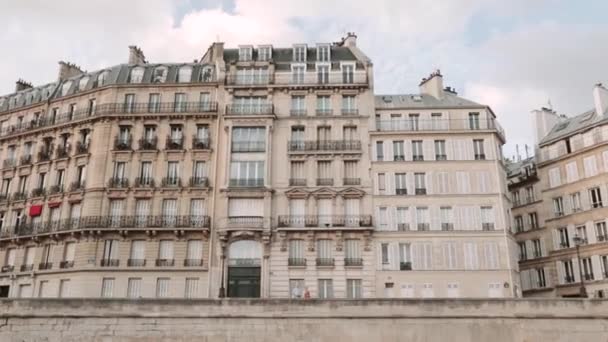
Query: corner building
[[244, 174]]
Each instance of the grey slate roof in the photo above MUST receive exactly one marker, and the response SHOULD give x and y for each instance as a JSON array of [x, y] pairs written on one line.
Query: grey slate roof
[[570, 126], [423, 101], [515, 168], [118, 74]]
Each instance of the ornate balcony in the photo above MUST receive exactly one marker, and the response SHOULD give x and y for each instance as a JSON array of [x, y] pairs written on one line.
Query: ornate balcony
[[66, 264], [38, 192], [193, 262], [136, 262], [19, 196], [325, 181], [62, 152], [109, 263], [297, 181], [77, 185], [122, 143], [246, 182], [298, 221], [351, 181], [201, 143], [148, 144], [324, 145], [413, 125], [171, 182], [9, 163], [55, 189], [81, 148], [246, 221], [296, 261], [118, 183], [145, 182], [26, 160], [174, 143], [259, 109], [45, 265], [353, 262], [447, 227], [199, 182], [44, 155], [349, 111], [27, 268], [325, 262], [165, 262]]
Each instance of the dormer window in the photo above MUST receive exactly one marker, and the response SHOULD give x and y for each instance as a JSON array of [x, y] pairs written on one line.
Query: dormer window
[[160, 75], [102, 78], [206, 74], [264, 53], [65, 88], [323, 53], [245, 53], [184, 75], [2, 101], [83, 83], [299, 53], [137, 74]]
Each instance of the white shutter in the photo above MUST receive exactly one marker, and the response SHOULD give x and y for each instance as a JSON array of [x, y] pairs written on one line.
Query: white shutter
[[590, 166], [324, 211], [70, 251], [195, 250], [165, 250], [107, 287], [138, 249], [572, 172], [30, 253]]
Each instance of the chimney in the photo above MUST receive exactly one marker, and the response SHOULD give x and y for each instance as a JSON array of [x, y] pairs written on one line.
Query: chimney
[[22, 85], [600, 99], [67, 70], [350, 39], [136, 56], [433, 85], [544, 120]]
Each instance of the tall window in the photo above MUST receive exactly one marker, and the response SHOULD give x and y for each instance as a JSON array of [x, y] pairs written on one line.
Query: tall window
[[172, 173], [352, 252], [323, 53], [184, 74], [323, 73], [107, 287], [199, 173], [154, 103], [398, 151], [264, 53], [162, 287], [110, 253], [474, 121], [601, 231], [349, 133], [137, 256], [349, 105], [134, 288], [247, 173], [596, 197], [568, 271], [165, 250], [299, 53], [145, 173], [248, 139], [423, 218], [487, 218], [381, 182], [326, 289], [298, 173], [324, 253], [420, 183], [478, 148], [384, 253], [116, 212], [325, 173], [297, 73], [414, 121], [298, 105], [417, 153], [447, 218], [379, 150], [351, 176], [564, 239], [353, 288], [191, 289], [323, 105], [245, 53], [440, 153], [558, 206], [194, 253], [348, 73], [169, 211], [575, 201], [400, 184], [296, 253], [197, 212]]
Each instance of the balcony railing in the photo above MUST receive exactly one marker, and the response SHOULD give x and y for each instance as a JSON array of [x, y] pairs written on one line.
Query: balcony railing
[[324, 145], [325, 261], [296, 262], [325, 221], [9, 163], [66, 264], [313, 78], [403, 227], [401, 191], [297, 112], [171, 182], [423, 227], [480, 156], [122, 143], [325, 181], [118, 183], [55, 189], [420, 191], [145, 182], [193, 262], [405, 266], [136, 262], [7, 268], [246, 221], [26, 160], [353, 262], [487, 226], [408, 125], [82, 148], [109, 263], [236, 79], [45, 265], [77, 185], [27, 268], [38, 192], [569, 279], [246, 182], [165, 262], [199, 182], [351, 181], [258, 109], [44, 155], [201, 143], [297, 181], [447, 227], [148, 144], [62, 152], [19, 196], [174, 143], [248, 146], [398, 157]]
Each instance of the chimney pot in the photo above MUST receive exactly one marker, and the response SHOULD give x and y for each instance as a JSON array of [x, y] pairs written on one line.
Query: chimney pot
[[22, 85], [136, 55]]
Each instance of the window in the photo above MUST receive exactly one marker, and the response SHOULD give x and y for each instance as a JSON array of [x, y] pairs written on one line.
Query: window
[[245, 53], [352, 253], [447, 218], [487, 218], [571, 172], [296, 288], [326, 289], [353, 288], [420, 183], [558, 206], [172, 173], [323, 105], [471, 257], [248, 139], [297, 73], [601, 231], [450, 258], [564, 240], [160, 75], [474, 121], [169, 212], [162, 287], [575, 200], [180, 102], [299, 53], [322, 73], [554, 177], [137, 256], [348, 73], [296, 253], [191, 290], [519, 224], [199, 173], [298, 105], [540, 275], [184, 74], [110, 253], [440, 153], [478, 149], [422, 218], [405, 256], [383, 218], [64, 288], [324, 253], [381, 182], [323, 53], [398, 150], [581, 232], [107, 288], [536, 246], [137, 75], [417, 154], [134, 288], [349, 106], [523, 254], [379, 150], [414, 121], [568, 271], [590, 166], [596, 197], [324, 173], [533, 220], [384, 251], [194, 253], [264, 53], [403, 219], [351, 176], [400, 184]]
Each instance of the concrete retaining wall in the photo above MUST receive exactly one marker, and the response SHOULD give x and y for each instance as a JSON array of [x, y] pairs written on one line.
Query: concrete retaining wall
[[286, 321]]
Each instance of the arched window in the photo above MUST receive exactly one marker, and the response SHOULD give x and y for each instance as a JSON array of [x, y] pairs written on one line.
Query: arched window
[[102, 78], [185, 74], [160, 74], [137, 74], [83, 83], [65, 88], [245, 249]]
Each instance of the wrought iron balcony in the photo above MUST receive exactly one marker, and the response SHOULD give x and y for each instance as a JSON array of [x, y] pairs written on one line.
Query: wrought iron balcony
[[324, 145], [174, 143], [144, 182], [324, 112], [403, 227], [487, 226], [136, 262], [193, 262], [246, 182], [77, 185], [4, 197], [238, 79], [258, 109], [423, 227], [325, 181], [26, 160], [480, 156], [55, 189], [421, 191], [418, 157], [296, 221], [325, 261], [201, 143], [171, 182], [9, 163], [246, 221], [569, 279], [19, 196], [441, 157], [45, 265], [109, 263], [296, 262], [7, 268], [62, 152], [353, 262], [38, 192], [351, 181], [27, 268], [122, 143], [81, 148], [402, 191], [248, 146], [44, 155], [118, 183], [297, 112], [405, 266], [165, 262], [199, 182], [66, 264], [148, 144], [398, 157], [297, 181], [349, 111], [408, 125], [447, 226]]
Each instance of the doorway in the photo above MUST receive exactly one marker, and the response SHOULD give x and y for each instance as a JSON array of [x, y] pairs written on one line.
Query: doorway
[[244, 282]]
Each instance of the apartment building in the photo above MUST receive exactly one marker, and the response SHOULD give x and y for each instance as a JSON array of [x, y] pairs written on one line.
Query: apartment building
[[566, 255], [440, 197], [252, 172]]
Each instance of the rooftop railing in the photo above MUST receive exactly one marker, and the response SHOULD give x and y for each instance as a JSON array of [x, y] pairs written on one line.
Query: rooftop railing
[[314, 78], [324, 145], [325, 221], [414, 125]]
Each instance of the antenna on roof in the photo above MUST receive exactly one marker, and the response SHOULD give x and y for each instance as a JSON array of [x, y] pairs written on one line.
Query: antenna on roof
[[517, 151], [217, 38], [526, 147], [549, 105]]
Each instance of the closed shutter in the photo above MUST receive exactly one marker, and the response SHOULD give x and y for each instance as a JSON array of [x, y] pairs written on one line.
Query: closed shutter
[[491, 255], [30, 253], [64, 288], [165, 251], [195, 250], [572, 172], [134, 288], [449, 255], [191, 290], [554, 177], [590, 166], [70, 251], [471, 259], [138, 249]]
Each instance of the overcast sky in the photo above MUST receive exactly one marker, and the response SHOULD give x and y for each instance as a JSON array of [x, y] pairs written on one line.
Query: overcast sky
[[512, 55]]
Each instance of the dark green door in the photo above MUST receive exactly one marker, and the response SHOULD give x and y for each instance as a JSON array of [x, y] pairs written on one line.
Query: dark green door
[[244, 282]]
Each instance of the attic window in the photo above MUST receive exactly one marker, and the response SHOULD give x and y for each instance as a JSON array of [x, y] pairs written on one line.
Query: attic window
[[137, 74], [562, 126], [102, 78], [323, 53], [264, 53], [65, 88], [83, 83], [417, 98], [206, 74], [160, 75], [299, 53], [245, 53], [184, 75]]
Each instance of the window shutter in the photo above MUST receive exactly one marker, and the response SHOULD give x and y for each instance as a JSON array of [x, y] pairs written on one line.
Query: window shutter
[[165, 249], [70, 249], [195, 250], [138, 249]]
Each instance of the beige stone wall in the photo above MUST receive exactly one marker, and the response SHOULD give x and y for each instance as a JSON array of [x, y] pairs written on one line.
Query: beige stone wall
[[264, 320]]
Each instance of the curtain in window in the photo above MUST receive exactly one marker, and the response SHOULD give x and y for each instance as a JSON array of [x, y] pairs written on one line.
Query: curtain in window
[[115, 212], [142, 212], [70, 251], [110, 249], [169, 212], [199, 171], [165, 250], [324, 207], [297, 212], [197, 212], [352, 249], [191, 290], [162, 287], [172, 170], [245, 207], [324, 249], [134, 288], [296, 249], [194, 250], [107, 287], [138, 250]]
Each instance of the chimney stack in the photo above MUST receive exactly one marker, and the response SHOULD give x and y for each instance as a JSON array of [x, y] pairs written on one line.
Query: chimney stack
[[67, 70], [22, 85], [350, 39], [136, 56], [600, 99], [544, 120], [433, 85]]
